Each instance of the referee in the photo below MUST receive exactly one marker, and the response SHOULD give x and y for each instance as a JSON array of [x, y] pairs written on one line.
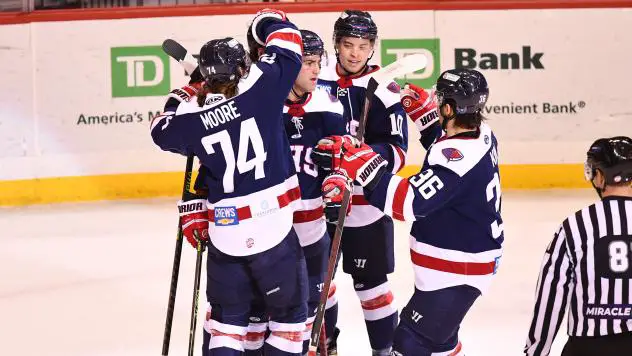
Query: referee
[[587, 268]]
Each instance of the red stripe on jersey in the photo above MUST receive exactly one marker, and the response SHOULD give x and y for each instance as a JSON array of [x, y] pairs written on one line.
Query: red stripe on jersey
[[402, 157], [232, 336], [377, 302], [464, 268], [303, 216], [289, 196], [293, 336], [286, 36], [243, 213], [398, 199], [359, 200]]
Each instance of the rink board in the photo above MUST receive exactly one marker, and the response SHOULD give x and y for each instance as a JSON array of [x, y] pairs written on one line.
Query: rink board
[[77, 96]]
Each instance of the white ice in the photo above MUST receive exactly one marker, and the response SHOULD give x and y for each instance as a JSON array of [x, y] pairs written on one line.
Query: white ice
[[93, 279]]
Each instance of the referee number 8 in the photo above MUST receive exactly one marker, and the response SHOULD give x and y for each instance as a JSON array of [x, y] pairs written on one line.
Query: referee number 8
[[618, 251]]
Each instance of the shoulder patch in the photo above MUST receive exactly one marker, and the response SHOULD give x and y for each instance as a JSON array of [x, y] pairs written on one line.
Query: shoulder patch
[[449, 153], [452, 154], [394, 87]]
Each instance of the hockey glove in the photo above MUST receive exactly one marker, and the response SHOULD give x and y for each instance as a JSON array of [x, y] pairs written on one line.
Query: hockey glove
[[260, 17], [329, 149], [186, 93], [194, 220], [420, 107], [358, 161], [333, 188]]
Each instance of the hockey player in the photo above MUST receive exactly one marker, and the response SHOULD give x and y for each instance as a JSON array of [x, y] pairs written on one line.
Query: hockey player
[[586, 267], [367, 242], [454, 203], [309, 115], [252, 187]]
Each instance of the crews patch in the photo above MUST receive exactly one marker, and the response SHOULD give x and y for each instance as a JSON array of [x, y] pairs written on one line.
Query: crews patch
[[226, 216], [452, 154]]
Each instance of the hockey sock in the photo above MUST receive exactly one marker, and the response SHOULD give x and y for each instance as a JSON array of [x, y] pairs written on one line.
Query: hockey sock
[[331, 312], [253, 342], [227, 328], [286, 332], [380, 314], [257, 327]]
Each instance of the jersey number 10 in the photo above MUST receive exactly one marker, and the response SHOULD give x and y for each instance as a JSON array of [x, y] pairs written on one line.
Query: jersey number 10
[[249, 135]]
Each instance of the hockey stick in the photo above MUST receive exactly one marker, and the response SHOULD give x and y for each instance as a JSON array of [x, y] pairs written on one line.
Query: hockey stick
[[385, 75], [175, 271], [196, 297]]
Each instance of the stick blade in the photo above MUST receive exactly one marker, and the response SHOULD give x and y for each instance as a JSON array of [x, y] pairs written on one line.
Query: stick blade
[[176, 51], [401, 67], [173, 49]]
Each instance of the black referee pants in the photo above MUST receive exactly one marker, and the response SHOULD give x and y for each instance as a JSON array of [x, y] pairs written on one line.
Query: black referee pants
[[611, 345]]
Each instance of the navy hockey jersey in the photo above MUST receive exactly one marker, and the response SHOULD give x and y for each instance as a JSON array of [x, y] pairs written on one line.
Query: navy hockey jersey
[[318, 116], [457, 233], [252, 185], [386, 126]]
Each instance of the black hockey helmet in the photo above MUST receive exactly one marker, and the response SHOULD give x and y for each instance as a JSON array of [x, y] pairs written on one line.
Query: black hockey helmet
[[613, 157], [465, 89], [312, 44], [355, 23], [221, 59]]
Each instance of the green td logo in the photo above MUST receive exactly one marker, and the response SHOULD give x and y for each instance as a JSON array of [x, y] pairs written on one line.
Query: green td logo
[[139, 71], [392, 50]]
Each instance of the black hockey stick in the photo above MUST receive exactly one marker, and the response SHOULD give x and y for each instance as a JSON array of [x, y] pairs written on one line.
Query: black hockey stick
[[196, 297], [175, 271], [396, 69]]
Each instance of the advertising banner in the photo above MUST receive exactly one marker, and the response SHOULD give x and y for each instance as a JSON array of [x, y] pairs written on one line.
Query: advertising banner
[[77, 98]]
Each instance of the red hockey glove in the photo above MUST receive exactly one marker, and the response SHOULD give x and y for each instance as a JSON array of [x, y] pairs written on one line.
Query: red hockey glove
[[329, 150], [357, 160], [194, 220], [186, 93], [420, 107], [333, 188], [262, 15]]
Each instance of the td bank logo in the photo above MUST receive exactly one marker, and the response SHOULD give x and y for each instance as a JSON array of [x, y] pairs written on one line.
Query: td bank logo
[[139, 71], [392, 50]]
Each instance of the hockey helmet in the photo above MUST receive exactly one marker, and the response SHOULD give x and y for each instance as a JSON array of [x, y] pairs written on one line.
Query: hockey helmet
[[613, 157], [312, 44], [355, 23], [465, 89], [221, 59]]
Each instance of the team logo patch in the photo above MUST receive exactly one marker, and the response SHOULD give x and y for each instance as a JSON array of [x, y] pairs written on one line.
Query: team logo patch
[[407, 102], [393, 87], [341, 92], [452, 154], [226, 216]]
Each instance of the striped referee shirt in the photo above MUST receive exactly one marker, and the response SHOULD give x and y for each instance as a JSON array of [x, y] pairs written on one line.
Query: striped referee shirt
[[587, 267]]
